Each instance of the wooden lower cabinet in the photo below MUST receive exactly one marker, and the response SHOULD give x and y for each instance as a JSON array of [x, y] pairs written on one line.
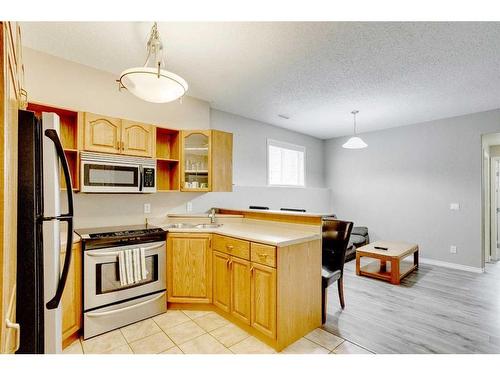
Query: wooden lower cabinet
[[189, 268], [231, 285], [263, 297], [221, 281], [240, 289], [71, 301], [277, 297]]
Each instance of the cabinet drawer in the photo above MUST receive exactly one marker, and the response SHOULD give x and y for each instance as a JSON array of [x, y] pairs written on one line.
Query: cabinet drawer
[[263, 254], [232, 246]]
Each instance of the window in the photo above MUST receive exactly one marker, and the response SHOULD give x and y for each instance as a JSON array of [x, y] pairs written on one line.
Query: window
[[285, 164]]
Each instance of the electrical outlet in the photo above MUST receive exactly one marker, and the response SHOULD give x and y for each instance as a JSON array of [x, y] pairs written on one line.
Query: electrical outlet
[[455, 206], [453, 249], [189, 206], [147, 208]]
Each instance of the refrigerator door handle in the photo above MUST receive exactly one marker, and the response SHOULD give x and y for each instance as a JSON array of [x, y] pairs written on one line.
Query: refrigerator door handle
[[54, 302]]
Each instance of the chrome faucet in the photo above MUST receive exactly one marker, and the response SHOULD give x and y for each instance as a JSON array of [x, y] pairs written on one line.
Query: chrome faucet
[[211, 215]]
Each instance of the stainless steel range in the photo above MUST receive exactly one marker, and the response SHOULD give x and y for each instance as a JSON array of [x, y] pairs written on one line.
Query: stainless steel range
[[124, 276]]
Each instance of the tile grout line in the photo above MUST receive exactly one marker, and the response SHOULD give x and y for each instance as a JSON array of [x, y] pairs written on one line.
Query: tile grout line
[[228, 347], [324, 347]]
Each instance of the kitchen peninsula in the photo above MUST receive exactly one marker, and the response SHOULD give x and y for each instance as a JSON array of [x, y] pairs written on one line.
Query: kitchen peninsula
[[262, 274]]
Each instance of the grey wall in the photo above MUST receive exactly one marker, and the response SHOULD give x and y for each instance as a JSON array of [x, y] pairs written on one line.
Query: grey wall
[[402, 185], [250, 149]]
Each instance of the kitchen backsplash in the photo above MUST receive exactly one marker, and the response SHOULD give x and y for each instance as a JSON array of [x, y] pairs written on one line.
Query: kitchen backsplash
[[93, 210]]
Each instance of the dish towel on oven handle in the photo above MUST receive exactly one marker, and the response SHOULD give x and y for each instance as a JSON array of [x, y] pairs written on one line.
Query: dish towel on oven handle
[[137, 265], [130, 266], [144, 271], [122, 267]]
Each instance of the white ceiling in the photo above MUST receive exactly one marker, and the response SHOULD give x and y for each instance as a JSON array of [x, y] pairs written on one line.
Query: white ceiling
[[316, 73]]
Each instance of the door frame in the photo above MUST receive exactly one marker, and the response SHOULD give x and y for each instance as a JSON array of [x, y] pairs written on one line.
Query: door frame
[[493, 204]]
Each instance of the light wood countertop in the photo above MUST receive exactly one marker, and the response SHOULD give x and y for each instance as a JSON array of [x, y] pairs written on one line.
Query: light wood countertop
[[270, 233]]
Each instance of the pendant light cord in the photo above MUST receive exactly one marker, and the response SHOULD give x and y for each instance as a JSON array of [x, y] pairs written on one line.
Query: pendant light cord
[[355, 112]]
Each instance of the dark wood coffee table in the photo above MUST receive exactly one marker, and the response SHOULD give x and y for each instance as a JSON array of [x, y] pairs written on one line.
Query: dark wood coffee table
[[396, 251]]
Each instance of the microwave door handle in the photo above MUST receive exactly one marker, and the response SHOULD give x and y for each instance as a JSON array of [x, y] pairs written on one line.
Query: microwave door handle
[[141, 171], [68, 217]]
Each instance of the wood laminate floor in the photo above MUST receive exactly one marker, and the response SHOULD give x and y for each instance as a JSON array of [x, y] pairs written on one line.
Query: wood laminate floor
[[434, 310]]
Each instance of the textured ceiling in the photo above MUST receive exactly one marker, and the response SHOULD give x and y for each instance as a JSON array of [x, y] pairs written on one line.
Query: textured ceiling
[[315, 73]]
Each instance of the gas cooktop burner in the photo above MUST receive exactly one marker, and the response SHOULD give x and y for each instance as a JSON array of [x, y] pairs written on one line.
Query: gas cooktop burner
[[125, 233]]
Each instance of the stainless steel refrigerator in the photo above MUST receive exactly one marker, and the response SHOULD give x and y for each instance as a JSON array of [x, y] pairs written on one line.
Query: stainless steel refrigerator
[[40, 280]]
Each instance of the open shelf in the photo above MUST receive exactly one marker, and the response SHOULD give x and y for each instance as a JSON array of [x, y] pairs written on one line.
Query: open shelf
[[167, 178], [68, 123], [167, 144], [73, 163], [68, 133], [167, 160]]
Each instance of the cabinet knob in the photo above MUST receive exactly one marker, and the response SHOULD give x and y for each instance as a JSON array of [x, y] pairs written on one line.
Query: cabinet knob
[[229, 247]]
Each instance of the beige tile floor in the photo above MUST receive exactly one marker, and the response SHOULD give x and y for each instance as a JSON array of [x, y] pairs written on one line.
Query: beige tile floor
[[201, 332]]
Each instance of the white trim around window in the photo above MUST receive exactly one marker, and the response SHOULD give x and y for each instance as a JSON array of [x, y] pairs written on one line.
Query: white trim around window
[[276, 174]]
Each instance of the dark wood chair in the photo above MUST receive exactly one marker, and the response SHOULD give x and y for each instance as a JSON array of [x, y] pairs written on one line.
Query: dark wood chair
[[336, 235]]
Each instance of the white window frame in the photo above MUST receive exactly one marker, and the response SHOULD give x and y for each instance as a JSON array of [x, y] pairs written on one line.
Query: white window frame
[[290, 146]]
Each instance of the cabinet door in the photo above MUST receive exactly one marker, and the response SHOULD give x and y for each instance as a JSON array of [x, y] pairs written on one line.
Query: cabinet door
[[240, 289], [189, 266], [263, 299], [10, 98], [72, 296], [102, 134], [195, 160], [222, 161], [221, 281], [137, 139]]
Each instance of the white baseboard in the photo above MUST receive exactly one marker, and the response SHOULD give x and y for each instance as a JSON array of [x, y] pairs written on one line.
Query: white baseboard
[[456, 266]]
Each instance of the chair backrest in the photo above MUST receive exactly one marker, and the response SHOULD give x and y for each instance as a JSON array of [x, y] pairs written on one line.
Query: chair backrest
[[293, 209], [336, 234]]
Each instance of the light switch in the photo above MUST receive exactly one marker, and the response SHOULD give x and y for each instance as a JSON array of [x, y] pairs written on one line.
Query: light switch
[[147, 208], [454, 206], [189, 206], [453, 249]]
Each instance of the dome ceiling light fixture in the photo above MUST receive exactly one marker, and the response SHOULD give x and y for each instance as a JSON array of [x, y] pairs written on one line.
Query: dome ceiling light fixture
[[152, 82], [354, 142]]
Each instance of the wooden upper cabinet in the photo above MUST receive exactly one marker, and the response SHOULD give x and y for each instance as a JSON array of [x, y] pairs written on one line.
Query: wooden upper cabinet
[[102, 133], [222, 161], [263, 299], [221, 281], [137, 139], [189, 268], [206, 160]]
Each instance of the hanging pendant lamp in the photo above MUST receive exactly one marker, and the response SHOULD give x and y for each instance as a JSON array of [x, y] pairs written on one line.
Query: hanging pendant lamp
[[355, 142], [152, 82]]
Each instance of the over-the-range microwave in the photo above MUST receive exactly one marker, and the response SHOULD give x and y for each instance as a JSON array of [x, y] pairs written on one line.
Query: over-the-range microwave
[[106, 173]]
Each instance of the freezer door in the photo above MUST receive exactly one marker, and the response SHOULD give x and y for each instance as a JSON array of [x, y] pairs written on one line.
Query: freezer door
[[51, 235]]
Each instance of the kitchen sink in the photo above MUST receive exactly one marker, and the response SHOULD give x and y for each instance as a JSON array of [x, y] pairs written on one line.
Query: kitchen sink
[[205, 226], [180, 226]]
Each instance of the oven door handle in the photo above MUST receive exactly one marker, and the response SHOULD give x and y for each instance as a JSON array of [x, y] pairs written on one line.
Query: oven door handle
[[95, 315], [116, 253]]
